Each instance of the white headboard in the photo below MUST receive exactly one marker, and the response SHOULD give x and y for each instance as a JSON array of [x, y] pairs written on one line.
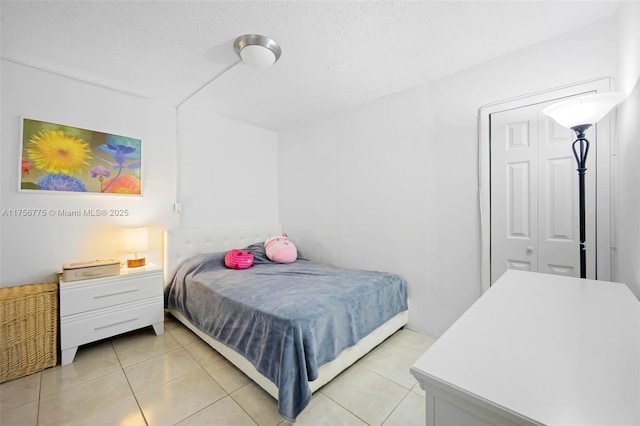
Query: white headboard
[[181, 244]]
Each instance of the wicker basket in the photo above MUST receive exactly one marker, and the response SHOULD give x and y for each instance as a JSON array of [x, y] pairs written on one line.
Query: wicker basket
[[28, 329]]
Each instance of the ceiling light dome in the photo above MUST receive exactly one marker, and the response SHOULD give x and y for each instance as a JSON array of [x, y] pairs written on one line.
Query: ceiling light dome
[[256, 50]]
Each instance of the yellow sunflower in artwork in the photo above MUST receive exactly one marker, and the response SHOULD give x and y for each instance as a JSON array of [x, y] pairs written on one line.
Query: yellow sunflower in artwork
[[57, 152]]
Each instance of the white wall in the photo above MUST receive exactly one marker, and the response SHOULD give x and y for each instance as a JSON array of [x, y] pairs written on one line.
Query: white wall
[[223, 172], [628, 195], [393, 184], [227, 171], [34, 248]]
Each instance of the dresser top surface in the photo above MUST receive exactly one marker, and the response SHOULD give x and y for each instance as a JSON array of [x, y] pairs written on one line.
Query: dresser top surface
[[557, 350]]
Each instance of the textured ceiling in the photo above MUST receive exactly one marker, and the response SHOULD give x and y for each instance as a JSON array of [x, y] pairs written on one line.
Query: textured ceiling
[[335, 54]]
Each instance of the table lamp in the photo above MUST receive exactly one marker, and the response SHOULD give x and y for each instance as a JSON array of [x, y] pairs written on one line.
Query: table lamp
[[135, 240]]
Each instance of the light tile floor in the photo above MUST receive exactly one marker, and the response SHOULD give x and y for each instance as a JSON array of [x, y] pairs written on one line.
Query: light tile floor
[[176, 379]]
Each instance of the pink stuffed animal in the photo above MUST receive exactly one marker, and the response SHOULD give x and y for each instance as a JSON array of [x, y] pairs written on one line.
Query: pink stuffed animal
[[238, 259], [279, 249]]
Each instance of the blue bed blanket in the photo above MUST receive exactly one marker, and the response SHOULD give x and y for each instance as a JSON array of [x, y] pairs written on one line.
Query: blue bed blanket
[[286, 319]]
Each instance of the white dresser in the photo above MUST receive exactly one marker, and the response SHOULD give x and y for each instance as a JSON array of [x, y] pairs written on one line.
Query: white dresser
[[98, 308], [538, 349]]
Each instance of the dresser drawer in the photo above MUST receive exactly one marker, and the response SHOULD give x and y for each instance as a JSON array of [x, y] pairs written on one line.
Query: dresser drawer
[[87, 327], [83, 296]]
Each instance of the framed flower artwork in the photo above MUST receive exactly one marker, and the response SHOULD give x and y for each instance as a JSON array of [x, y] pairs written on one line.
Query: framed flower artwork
[[57, 157]]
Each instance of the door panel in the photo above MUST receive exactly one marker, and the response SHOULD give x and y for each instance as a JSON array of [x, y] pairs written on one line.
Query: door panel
[[514, 212], [519, 200], [559, 203]]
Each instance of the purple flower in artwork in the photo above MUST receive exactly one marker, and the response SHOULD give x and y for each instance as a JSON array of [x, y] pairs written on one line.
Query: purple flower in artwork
[[100, 172], [121, 149], [120, 154], [60, 182]]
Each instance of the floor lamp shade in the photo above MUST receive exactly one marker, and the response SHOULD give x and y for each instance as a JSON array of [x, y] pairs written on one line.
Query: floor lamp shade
[[136, 241], [583, 110]]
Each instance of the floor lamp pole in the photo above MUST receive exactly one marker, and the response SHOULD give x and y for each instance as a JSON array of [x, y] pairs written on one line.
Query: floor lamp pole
[[580, 150]]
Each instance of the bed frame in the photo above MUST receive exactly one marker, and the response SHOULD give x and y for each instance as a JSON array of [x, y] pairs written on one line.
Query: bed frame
[[181, 244]]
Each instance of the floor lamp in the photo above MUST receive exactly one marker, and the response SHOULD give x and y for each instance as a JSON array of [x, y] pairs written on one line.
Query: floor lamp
[[578, 114]]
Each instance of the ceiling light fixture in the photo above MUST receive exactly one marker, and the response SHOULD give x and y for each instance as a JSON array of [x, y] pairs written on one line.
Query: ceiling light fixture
[[256, 50]]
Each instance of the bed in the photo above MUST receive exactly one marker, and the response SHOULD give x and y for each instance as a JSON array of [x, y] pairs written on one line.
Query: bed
[[289, 347]]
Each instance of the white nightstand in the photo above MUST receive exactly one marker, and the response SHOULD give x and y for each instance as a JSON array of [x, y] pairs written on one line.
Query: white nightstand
[[98, 308]]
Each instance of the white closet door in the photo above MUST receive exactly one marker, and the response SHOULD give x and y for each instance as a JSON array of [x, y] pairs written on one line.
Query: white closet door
[[558, 224], [514, 189], [534, 196]]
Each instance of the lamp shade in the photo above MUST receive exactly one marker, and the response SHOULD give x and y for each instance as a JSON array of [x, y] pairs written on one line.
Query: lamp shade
[[135, 240], [583, 110]]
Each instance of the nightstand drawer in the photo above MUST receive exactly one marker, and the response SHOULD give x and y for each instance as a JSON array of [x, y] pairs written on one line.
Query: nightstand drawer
[[83, 296], [91, 326], [98, 308]]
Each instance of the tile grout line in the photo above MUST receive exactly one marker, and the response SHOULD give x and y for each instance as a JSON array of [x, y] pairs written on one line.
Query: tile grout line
[[227, 394], [396, 407], [242, 408], [129, 383]]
